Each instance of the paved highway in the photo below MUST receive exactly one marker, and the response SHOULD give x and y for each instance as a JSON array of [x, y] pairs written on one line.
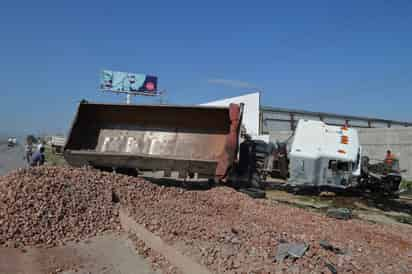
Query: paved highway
[[11, 158]]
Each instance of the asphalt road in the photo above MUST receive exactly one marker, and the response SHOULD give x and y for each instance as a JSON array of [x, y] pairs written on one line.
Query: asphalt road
[[11, 158]]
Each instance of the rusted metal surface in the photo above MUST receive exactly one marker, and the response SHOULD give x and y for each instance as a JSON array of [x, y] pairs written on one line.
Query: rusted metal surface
[[171, 138], [230, 150], [141, 161], [163, 143]]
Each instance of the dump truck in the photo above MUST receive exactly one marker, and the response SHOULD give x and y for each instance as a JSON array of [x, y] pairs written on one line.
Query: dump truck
[[207, 142]]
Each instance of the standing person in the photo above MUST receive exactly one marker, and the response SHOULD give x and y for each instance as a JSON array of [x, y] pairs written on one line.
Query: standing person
[[40, 145], [390, 162], [28, 152], [38, 158], [389, 158]]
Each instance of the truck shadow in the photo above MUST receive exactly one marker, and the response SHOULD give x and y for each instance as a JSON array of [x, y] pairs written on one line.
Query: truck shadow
[[188, 185]]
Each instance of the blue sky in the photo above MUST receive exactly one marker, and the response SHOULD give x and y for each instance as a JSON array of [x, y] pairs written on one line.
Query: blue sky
[[351, 57]]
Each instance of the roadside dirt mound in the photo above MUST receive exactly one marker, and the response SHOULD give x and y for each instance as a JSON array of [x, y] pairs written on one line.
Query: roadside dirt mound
[[49, 205]]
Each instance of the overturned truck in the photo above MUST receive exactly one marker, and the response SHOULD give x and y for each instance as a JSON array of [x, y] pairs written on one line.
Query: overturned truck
[[207, 142], [331, 156]]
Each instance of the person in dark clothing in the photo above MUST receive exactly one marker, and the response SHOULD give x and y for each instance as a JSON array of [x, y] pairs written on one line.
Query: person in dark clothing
[[38, 158], [28, 152]]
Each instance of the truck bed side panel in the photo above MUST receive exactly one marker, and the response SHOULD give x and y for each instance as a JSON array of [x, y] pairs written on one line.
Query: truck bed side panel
[[191, 139]]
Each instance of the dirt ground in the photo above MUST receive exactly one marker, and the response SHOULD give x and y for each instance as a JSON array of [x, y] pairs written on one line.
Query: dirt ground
[[375, 209], [107, 254]]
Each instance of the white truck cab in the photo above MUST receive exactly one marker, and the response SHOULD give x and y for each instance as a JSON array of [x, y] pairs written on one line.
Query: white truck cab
[[324, 155]]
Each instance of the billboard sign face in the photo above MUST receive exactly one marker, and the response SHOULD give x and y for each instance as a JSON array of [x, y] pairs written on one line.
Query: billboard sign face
[[128, 82]]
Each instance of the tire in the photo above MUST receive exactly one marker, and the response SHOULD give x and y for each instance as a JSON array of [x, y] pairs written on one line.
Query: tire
[[254, 192], [211, 183], [127, 171], [365, 165], [255, 181]]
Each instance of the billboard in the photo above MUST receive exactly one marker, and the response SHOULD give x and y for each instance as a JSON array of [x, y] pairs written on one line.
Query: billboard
[[128, 82]]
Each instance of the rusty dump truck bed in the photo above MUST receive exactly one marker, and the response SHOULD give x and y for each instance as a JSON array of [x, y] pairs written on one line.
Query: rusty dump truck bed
[[187, 139]]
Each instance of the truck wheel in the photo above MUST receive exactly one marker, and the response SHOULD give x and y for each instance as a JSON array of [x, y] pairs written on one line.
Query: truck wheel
[[127, 171], [254, 192], [365, 165], [256, 182], [211, 183]]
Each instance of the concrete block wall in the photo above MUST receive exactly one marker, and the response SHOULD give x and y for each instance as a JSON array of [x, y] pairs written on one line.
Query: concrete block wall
[[375, 142]]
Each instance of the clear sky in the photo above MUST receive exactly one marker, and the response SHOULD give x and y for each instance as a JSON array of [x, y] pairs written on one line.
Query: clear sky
[[350, 57]]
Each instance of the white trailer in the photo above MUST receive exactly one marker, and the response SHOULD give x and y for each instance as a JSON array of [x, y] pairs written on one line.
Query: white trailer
[[57, 143]]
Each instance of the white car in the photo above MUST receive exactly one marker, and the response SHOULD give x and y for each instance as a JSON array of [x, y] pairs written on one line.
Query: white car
[[11, 142]]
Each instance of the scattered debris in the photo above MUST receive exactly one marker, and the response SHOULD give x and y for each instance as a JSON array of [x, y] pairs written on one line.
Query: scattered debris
[[331, 267], [282, 252], [327, 194], [339, 213], [328, 246], [295, 250]]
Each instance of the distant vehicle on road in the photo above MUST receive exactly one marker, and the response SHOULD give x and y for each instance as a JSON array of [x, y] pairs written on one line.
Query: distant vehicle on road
[[57, 143], [11, 141]]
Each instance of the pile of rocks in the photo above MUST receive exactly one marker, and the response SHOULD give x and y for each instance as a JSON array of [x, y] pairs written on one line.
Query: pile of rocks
[[231, 233], [225, 230], [48, 206]]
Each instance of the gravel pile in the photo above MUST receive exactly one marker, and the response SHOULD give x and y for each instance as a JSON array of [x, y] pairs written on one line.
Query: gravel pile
[[48, 206], [225, 230], [231, 233]]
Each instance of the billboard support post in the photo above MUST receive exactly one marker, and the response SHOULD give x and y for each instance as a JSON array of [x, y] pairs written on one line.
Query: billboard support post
[[130, 94]]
